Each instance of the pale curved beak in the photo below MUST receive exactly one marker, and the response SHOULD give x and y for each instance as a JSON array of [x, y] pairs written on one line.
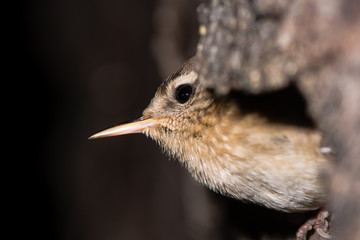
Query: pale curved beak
[[138, 126]]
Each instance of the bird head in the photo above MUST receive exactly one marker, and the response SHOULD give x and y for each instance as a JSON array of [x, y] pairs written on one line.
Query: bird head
[[174, 112]]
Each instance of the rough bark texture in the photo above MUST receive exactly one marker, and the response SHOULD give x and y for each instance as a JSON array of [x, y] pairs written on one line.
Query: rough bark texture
[[263, 45]]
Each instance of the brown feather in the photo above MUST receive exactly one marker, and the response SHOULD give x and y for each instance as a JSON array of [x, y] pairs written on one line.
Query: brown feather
[[237, 148]]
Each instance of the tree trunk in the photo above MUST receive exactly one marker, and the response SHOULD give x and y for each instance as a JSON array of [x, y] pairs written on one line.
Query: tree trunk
[[265, 45]]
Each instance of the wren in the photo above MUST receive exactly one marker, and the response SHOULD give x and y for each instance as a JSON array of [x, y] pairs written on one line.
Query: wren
[[244, 147]]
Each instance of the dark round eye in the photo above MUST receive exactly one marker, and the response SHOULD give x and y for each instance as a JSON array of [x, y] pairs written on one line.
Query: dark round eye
[[183, 93]]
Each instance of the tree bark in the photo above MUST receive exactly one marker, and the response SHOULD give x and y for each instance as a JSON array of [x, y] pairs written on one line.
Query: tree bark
[[265, 45]]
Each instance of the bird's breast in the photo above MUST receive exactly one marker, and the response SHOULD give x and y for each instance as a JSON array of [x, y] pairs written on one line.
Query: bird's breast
[[276, 166]]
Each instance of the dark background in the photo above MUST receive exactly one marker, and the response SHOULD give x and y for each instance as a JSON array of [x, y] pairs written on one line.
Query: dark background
[[87, 65]]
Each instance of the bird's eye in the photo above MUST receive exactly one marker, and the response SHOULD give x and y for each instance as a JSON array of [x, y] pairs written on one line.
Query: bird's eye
[[183, 93]]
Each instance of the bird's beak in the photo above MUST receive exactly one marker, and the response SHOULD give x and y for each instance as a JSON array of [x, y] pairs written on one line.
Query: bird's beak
[[138, 126]]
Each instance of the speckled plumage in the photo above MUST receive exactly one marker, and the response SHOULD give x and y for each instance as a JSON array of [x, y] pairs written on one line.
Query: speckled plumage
[[242, 154], [258, 148], [253, 148]]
